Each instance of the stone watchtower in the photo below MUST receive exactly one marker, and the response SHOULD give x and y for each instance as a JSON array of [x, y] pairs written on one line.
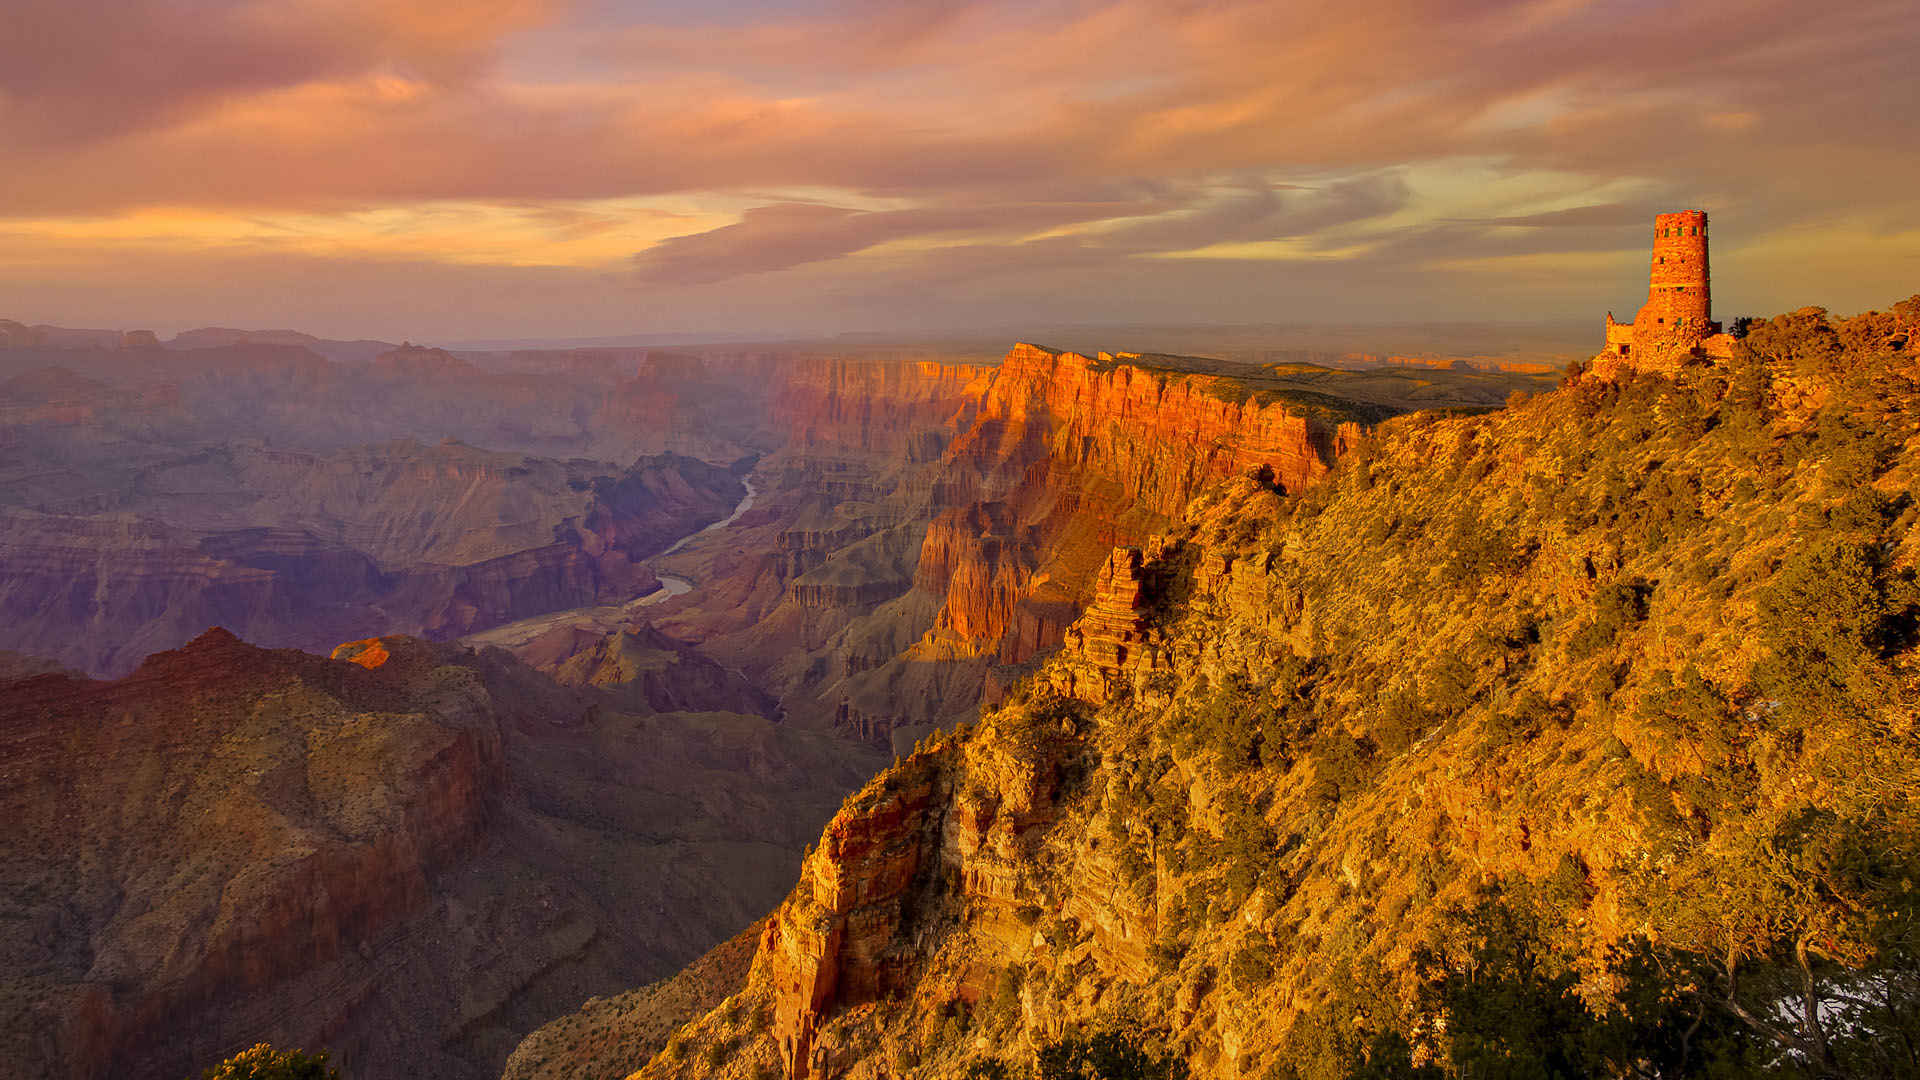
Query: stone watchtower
[[1678, 291], [1676, 322]]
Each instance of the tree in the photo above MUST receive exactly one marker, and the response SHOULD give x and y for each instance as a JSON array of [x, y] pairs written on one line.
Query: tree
[[262, 1062], [1109, 1055]]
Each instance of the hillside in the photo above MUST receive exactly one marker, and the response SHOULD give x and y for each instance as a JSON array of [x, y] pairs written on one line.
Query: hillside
[[1572, 739], [930, 528], [411, 853]]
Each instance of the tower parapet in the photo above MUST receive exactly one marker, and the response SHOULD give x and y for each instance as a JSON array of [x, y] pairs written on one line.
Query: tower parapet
[[1676, 322]]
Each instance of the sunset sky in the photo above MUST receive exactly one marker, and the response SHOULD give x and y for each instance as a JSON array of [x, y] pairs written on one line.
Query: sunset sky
[[459, 169]]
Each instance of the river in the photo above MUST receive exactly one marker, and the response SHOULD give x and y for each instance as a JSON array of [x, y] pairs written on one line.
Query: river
[[606, 618]]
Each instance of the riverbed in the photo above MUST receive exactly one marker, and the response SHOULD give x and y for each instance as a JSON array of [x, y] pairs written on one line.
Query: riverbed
[[606, 618]]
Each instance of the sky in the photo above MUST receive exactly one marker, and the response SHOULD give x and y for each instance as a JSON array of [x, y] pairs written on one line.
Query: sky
[[466, 169]]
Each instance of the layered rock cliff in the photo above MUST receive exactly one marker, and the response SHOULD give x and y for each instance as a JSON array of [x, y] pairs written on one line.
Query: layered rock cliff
[[410, 853], [306, 549], [1015, 481], [225, 821], [1602, 755], [1069, 449]]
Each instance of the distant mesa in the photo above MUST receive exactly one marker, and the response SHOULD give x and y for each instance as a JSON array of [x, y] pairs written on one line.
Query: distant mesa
[[421, 361], [1676, 323], [359, 351], [216, 337], [17, 335]]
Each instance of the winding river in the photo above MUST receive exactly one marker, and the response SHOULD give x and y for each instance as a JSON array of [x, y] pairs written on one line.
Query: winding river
[[606, 618]]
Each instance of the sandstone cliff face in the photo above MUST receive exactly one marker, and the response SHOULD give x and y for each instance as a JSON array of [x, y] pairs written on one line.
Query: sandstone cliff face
[[1068, 449], [216, 861], [944, 839], [1014, 481], [894, 407], [1263, 773], [1060, 458], [307, 549], [409, 853]]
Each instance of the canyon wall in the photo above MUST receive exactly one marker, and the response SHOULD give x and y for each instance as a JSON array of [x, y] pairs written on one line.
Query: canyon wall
[[931, 528], [185, 856], [304, 549], [1584, 729], [409, 853]]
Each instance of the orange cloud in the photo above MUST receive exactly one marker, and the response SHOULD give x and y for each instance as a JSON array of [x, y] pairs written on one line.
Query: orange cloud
[[953, 140]]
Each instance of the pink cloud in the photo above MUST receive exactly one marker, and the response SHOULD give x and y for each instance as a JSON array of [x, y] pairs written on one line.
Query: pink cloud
[[1177, 123]]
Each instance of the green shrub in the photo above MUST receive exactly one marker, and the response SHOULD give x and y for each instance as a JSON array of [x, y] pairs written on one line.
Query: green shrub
[[262, 1062]]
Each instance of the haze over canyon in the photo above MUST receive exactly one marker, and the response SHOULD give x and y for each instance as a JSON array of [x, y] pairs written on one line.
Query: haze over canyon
[[858, 540]]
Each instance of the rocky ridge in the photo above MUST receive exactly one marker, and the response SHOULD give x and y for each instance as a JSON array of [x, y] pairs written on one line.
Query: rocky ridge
[[410, 853], [1588, 699], [305, 549], [935, 527]]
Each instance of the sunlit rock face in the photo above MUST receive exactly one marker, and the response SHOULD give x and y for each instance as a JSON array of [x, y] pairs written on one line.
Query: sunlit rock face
[[1267, 782], [932, 527]]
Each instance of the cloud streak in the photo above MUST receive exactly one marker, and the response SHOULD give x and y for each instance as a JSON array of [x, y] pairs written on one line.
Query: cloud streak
[[1062, 137]]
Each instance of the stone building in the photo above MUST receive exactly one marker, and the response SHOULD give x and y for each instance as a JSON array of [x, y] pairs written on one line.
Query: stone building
[[1676, 323]]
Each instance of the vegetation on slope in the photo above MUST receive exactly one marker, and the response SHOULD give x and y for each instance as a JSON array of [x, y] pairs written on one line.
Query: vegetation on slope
[[1340, 395], [262, 1062], [1576, 739]]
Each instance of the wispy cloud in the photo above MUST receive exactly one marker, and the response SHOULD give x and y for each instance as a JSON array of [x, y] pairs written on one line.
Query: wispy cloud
[[1069, 141]]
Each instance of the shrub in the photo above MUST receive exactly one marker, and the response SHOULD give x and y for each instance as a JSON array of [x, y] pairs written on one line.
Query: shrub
[[1252, 963], [262, 1062], [988, 1068], [1109, 1055]]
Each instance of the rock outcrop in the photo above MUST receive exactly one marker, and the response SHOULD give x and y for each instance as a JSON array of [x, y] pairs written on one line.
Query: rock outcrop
[[1048, 462], [1572, 714], [193, 865], [409, 853], [1113, 635], [306, 549]]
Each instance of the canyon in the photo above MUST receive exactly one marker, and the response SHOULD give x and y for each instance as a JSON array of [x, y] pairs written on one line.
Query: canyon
[[594, 705], [930, 523], [929, 530], [1540, 784], [409, 852]]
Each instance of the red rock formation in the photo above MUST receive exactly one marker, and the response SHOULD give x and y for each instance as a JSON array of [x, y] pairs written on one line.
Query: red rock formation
[[368, 654], [832, 949], [1112, 634], [254, 894], [378, 853], [939, 821], [1069, 456], [886, 405], [1026, 475]]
